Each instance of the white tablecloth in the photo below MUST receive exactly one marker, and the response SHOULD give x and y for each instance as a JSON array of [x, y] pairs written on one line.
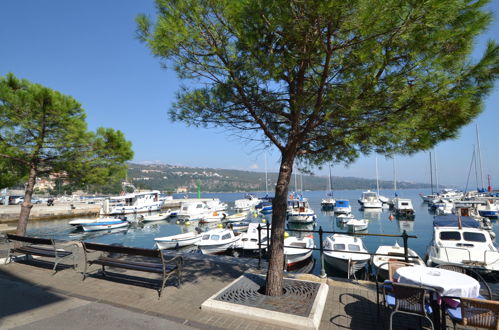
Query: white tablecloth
[[446, 282]]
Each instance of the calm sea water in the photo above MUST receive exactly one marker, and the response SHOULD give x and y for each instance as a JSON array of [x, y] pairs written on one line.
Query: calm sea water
[[142, 235]]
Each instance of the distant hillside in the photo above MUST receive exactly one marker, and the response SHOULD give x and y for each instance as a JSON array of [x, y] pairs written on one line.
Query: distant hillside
[[170, 178]]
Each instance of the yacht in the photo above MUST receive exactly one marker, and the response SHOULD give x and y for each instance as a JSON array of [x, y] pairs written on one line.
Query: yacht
[[342, 206], [370, 199], [300, 211], [133, 203], [344, 253], [459, 240], [403, 208]]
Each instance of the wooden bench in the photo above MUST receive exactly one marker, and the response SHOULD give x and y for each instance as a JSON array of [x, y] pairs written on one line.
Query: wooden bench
[[122, 257], [43, 247]]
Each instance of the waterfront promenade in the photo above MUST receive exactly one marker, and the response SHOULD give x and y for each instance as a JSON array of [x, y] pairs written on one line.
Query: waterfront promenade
[[33, 298]]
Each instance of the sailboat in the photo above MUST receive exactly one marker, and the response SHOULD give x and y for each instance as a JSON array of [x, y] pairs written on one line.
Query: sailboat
[[383, 199], [329, 202]]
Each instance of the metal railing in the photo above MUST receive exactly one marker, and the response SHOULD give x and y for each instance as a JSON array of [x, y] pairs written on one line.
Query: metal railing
[[405, 237]]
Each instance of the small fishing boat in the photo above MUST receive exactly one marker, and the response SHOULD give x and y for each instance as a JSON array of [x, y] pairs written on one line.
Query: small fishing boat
[[105, 225], [239, 227], [345, 253], [235, 217], [213, 217], [403, 208], [297, 249], [355, 225], [249, 239], [217, 241], [177, 241], [80, 222], [344, 217], [156, 217], [386, 253]]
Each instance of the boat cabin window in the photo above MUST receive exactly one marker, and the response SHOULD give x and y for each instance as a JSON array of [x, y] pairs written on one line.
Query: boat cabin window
[[405, 203], [353, 247], [474, 237], [450, 236], [340, 247], [226, 236], [206, 236], [215, 237], [199, 206]]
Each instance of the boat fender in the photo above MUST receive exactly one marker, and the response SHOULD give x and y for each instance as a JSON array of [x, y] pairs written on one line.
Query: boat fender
[[391, 217], [220, 225], [286, 234], [187, 223]]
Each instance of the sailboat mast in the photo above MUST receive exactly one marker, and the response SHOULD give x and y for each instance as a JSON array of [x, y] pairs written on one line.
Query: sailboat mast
[[377, 180], [394, 177], [479, 156], [431, 175], [330, 182], [476, 168], [266, 179], [436, 172]]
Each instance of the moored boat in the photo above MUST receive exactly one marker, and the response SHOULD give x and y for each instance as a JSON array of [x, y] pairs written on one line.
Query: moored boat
[[80, 222], [156, 217], [177, 241], [217, 241], [105, 225], [297, 249], [355, 225], [342, 206], [345, 253], [386, 253]]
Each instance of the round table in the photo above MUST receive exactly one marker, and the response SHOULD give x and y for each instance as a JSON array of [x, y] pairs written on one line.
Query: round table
[[445, 282]]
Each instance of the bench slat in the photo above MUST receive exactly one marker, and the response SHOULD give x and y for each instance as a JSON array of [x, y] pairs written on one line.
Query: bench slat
[[132, 266], [32, 240], [122, 249]]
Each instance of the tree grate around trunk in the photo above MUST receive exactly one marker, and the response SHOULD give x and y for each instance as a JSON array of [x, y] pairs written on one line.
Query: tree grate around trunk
[[297, 299]]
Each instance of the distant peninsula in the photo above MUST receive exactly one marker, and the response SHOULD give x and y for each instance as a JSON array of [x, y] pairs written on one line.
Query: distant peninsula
[[181, 179]]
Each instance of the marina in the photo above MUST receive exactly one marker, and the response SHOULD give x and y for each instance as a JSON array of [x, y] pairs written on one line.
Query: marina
[[142, 234]]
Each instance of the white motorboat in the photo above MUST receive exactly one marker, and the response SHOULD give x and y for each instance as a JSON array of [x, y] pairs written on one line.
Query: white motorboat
[[342, 206], [236, 217], [489, 209], [217, 241], [403, 208], [355, 225], [213, 217], [300, 211], [133, 203], [105, 225], [215, 205], [156, 217], [370, 199], [249, 239], [459, 240], [344, 217], [297, 249], [177, 241], [345, 253], [193, 211], [386, 253], [80, 222], [246, 204]]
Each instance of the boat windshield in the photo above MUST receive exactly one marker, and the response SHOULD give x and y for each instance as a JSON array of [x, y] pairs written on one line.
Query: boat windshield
[[340, 247], [353, 247], [474, 237], [226, 236], [450, 236]]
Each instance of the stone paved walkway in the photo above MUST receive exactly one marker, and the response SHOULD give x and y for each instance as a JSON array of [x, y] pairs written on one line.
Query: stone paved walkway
[[33, 298]]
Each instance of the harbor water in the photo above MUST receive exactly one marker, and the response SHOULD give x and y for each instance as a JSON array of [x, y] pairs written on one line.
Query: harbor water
[[142, 234]]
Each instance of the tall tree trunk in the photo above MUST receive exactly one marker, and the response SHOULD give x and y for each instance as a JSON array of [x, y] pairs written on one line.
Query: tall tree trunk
[[273, 286], [26, 205]]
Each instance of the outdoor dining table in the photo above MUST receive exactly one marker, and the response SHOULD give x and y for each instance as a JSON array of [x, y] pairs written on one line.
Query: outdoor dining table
[[445, 282]]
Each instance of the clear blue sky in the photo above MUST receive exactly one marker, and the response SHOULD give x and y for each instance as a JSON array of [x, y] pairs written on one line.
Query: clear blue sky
[[87, 49]]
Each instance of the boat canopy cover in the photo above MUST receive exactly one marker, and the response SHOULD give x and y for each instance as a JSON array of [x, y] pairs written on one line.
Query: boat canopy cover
[[342, 203], [450, 220]]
